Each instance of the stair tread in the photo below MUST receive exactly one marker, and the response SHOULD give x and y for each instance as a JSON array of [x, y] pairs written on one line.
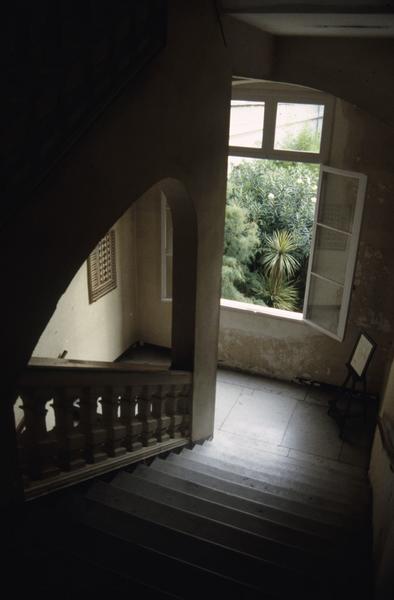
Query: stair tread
[[317, 465], [284, 527], [282, 478], [268, 463], [279, 511], [126, 508], [132, 563], [314, 507], [280, 551]]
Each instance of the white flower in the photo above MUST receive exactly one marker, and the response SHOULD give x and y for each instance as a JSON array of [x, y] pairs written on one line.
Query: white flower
[[271, 196], [313, 199]]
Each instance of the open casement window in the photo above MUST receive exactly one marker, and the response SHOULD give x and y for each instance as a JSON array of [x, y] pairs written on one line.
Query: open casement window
[[166, 250], [279, 124], [334, 250]]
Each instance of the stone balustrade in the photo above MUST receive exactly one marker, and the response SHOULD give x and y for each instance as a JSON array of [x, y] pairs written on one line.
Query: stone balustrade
[[84, 418]]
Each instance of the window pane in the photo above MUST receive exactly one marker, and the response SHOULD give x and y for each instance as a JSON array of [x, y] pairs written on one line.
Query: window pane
[[338, 201], [324, 303], [331, 254], [298, 127], [246, 123]]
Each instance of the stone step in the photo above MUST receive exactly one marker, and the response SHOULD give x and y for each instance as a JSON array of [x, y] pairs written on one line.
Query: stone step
[[267, 545], [200, 541], [339, 483], [275, 510], [282, 478], [308, 506], [281, 526], [106, 553], [304, 463]]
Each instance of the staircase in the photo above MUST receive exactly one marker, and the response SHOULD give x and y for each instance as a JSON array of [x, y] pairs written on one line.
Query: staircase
[[216, 519]]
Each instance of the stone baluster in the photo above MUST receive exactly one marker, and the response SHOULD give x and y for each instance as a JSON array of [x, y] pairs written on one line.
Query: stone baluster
[[115, 430], [130, 419], [92, 426], [38, 446], [70, 437], [184, 408], [172, 411], [160, 413], [149, 423]]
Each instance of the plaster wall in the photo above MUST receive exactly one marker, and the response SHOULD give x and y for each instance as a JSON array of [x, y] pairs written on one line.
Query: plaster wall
[[104, 329], [284, 348], [382, 481], [355, 69], [154, 315]]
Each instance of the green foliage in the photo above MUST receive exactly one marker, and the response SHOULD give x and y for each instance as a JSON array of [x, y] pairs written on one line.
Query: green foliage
[[278, 257], [269, 217], [240, 236], [240, 244], [275, 293], [305, 141]]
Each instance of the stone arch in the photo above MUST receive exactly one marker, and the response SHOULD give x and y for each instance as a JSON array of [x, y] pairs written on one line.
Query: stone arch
[[184, 272]]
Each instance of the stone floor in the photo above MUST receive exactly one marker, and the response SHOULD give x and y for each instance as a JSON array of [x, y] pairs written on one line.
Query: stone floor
[[288, 419]]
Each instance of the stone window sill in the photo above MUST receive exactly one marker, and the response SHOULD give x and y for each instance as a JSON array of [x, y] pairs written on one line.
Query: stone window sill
[[256, 309]]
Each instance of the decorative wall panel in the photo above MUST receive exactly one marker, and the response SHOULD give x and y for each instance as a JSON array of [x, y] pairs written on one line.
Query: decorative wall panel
[[102, 268]]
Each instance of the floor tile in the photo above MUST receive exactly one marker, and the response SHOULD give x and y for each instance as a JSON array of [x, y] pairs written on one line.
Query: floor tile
[[227, 395], [262, 415], [286, 418], [312, 430], [236, 378]]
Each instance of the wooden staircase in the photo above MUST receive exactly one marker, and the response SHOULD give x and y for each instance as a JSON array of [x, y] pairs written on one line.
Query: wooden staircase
[[214, 520]]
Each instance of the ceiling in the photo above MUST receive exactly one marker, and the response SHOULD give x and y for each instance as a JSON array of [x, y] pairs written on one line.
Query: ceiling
[[361, 18]]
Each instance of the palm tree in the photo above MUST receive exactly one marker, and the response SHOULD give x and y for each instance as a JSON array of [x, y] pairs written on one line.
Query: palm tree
[[278, 258], [280, 266]]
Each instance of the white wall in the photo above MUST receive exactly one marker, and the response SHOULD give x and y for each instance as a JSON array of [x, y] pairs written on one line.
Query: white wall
[[104, 329]]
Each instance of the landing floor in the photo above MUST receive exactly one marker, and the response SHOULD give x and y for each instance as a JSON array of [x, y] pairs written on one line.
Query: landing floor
[[287, 419]]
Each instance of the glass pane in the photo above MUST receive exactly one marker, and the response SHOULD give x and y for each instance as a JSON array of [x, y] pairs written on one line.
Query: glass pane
[[298, 127], [324, 304], [338, 197], [246, 123], [168, 276], [331, 253]]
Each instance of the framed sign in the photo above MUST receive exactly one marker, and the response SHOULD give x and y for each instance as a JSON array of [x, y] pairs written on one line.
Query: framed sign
[[362, 354]]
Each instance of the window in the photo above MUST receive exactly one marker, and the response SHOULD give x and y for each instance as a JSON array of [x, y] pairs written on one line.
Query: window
[[166, 250], [334, 249], [280, 122], [308, 259]]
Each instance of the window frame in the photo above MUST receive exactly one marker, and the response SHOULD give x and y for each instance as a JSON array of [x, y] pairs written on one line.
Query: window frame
[[354, 237], [273, 95]]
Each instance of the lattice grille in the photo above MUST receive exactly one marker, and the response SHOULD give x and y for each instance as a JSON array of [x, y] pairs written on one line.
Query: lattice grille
[[102, 268]]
